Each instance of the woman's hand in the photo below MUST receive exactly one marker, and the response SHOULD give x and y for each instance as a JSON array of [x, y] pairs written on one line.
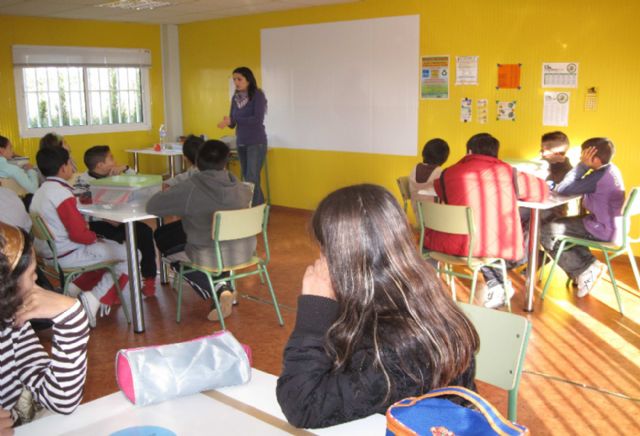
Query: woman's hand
[[226, 122], [317, 281], [6, 423], [40, 303]]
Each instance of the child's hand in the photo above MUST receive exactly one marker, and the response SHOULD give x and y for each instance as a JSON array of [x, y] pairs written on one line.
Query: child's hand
[[587, 156], [317, 281], [6, 423], [27, 167], [226, 121], [40, 303], [117, 170]]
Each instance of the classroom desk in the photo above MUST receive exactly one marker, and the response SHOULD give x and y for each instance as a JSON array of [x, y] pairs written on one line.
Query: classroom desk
[[172, 157], [128, 216], [534, 236], [249, 409]]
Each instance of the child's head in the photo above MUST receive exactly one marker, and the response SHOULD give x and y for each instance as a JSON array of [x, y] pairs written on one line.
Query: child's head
[[99, 159], [212, 155], [54, 162], [6, 148], [385, 290], [483, 143], [53, 140], [604, 150], [190, 148], [435, 152], [554, 146]]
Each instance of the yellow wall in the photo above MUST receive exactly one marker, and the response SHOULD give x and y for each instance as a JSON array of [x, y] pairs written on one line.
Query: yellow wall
[[37, 31], [601, 36]]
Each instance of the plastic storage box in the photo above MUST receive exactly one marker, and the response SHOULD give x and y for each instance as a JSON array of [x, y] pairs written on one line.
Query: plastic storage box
[[125, 191]]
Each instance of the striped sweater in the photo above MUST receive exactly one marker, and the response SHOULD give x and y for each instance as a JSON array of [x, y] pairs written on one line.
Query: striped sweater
[[57, 383]]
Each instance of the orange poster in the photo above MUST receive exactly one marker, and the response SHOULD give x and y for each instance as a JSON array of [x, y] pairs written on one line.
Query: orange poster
[[509, 76]]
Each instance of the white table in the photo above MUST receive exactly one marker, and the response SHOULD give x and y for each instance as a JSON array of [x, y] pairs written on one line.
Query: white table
[[173, 156], [534, 236], [128, 216], [250, 409]]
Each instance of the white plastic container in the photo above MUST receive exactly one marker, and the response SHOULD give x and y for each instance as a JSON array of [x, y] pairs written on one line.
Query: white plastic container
[[132, 191]]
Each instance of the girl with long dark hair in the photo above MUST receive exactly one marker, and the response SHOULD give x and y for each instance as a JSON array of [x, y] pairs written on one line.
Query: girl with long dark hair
[[28, 375], [374, 323], [248, 108]]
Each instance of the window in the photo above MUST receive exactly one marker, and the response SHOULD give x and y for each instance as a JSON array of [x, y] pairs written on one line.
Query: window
[[74, 90]]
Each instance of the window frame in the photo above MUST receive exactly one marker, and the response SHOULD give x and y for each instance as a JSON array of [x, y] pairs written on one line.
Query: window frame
[[91, 53]]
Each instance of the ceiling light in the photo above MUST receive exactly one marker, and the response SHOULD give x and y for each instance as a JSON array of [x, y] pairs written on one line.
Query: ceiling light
[[138, 5]]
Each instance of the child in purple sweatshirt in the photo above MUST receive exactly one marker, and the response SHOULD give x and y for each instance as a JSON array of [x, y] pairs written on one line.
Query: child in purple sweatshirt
[[600, 183]]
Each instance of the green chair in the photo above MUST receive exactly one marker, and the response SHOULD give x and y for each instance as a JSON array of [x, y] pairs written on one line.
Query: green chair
[[403, 185], [227, 226], [503, 345], [610, 250], [68, 275], [457, 220]]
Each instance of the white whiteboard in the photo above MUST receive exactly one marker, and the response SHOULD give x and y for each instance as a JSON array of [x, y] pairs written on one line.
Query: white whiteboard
[[343, 86]]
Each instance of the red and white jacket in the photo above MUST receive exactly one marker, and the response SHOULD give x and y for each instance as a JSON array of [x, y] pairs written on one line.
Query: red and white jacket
[[492, 188], [55, 203]]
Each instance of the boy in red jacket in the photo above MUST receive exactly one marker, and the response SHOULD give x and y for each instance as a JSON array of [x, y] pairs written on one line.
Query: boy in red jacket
[[492, 188]]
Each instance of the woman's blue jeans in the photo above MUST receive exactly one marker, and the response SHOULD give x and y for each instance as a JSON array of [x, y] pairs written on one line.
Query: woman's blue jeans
[[251, 160]]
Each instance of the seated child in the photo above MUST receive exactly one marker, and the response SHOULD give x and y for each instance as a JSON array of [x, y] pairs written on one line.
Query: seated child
[[171, 236], [75, 244], [25, 176], [603, 197], [196, 199], [28, 373], [434, 154], [492, 189], [100, 163], [374, 323]]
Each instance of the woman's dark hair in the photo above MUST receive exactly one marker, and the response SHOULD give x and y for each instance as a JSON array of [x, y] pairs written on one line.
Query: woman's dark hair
[[51, 159], [248, 74], [435, 151], [191, 146], [388, 295], [483, 143], [604, 148], [212, 155], [10, 298], [51, 140], [4, 142]]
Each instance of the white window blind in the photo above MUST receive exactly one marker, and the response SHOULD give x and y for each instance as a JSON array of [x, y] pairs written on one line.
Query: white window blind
[[51, 56]]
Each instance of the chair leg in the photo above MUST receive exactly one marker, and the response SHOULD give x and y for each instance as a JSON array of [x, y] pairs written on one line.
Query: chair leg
[[214, 295], [613, 282], [273, 294], [553, 268], [180, 280], [119, 291], [512, 412], [474, 282], [634, 266]]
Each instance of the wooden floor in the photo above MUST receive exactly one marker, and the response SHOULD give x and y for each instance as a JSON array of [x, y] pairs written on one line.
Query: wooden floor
[[582, 371]]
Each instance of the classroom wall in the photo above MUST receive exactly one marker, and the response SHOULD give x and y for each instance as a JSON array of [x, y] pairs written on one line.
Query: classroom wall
[[601, 36], [39, 31]]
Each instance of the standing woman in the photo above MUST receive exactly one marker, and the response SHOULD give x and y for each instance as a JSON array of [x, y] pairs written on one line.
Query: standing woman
[[246, 115]]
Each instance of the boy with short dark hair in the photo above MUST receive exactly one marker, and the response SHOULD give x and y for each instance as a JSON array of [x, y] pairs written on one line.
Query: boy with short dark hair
[[190, 149], [75, 244], [100, 164], [600, 182]]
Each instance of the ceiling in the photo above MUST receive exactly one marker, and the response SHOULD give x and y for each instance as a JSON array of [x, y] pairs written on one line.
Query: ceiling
[[178, 12]]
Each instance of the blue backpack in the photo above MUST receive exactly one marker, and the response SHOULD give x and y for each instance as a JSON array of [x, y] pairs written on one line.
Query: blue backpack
[[429, 415]]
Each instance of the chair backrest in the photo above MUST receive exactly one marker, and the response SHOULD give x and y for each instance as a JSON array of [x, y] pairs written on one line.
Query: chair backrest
[[446, 218], [9, 183], [631, 208], [503, 344], [237, 224], [403, 185], [41, 231]]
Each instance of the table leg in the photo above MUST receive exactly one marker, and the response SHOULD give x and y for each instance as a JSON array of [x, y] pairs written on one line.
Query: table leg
[[134, 277], [172, 167], [534, 238], [163, 266], [135, 162]]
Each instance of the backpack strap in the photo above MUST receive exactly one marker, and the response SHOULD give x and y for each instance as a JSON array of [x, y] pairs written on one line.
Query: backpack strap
[[497, 422]]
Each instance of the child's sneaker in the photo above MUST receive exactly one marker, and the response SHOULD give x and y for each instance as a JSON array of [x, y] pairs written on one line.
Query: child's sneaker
[[149, 286], [226, 302], [91, 305], [588, 278], [495, 295]]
